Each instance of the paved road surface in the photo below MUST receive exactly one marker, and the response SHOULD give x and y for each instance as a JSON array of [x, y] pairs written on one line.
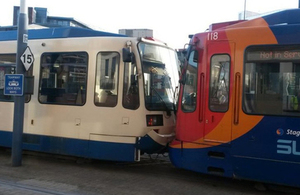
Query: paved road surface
[[47, 175]]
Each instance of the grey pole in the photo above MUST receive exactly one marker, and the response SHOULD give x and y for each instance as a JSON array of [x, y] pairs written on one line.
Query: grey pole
[[245, 2], [19, 100]]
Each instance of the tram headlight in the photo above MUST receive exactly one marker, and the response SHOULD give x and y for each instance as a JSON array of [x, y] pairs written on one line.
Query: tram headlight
[[154, 120]]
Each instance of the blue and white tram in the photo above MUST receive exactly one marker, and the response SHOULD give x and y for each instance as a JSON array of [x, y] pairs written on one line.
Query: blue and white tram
[[96, 95]]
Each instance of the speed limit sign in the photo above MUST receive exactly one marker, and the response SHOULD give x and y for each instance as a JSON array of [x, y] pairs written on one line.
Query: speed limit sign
[[27, 58]]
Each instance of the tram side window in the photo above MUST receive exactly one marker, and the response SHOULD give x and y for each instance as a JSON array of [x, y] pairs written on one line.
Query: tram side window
[[272, 81], [8, 66], [219, 83], [130, 87], [63, 78], [106, 88], [189, 95]]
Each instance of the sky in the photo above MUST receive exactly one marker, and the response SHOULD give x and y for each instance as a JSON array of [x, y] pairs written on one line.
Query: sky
[[171, 20]]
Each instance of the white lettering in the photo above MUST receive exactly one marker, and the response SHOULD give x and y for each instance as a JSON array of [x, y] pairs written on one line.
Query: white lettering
[[213, 36], [292, 132]]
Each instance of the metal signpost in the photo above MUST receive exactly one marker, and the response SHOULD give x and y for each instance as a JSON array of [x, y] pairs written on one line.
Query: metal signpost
[[15, 84]]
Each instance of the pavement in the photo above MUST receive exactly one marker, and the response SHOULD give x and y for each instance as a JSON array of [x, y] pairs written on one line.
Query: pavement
[[39, 175], [45, 174], [42, 174]]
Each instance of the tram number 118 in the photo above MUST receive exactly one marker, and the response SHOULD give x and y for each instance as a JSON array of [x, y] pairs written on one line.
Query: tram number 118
[[212, 36]]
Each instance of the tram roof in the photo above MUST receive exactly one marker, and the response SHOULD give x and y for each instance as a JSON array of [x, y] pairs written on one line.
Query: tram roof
[[289, 16], [59, 32], [277, 18]]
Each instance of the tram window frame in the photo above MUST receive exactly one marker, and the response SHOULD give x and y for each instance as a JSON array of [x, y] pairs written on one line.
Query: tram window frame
[[271, 84], [9, 61], [107, 75], [131, 95], [219, 102], [189, 94], [69, 85]]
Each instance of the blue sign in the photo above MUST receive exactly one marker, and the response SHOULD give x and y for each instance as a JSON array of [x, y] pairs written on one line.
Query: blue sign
[[14, 84]]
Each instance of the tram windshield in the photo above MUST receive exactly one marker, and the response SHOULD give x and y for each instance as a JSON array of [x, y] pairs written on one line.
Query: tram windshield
[[160, 70]]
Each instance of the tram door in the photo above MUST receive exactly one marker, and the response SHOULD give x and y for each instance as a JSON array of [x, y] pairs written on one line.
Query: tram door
[[217, 116]]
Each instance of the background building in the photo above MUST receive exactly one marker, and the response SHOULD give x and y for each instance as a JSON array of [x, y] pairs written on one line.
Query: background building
[[248, 14], [137, 32], [38, 16]]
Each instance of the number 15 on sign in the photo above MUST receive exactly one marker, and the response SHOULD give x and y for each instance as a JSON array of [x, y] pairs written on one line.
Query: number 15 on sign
[[27, 58]]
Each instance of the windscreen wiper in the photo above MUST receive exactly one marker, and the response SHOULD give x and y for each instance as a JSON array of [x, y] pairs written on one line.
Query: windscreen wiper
[[166, 106]]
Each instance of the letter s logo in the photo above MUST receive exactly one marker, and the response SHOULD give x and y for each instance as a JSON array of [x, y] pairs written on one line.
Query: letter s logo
[[284, 149]]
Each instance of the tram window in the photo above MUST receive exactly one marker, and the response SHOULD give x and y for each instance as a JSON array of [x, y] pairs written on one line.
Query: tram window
[[63, 78], [106, 88], [272, 81], [190, 87], [130, 87], [8, 66], [219, 83]]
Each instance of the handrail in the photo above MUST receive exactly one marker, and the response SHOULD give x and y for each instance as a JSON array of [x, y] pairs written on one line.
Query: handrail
[[236, 108], [201, 97]]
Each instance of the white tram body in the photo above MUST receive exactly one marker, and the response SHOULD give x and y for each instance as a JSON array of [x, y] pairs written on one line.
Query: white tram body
[[95, 95]]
